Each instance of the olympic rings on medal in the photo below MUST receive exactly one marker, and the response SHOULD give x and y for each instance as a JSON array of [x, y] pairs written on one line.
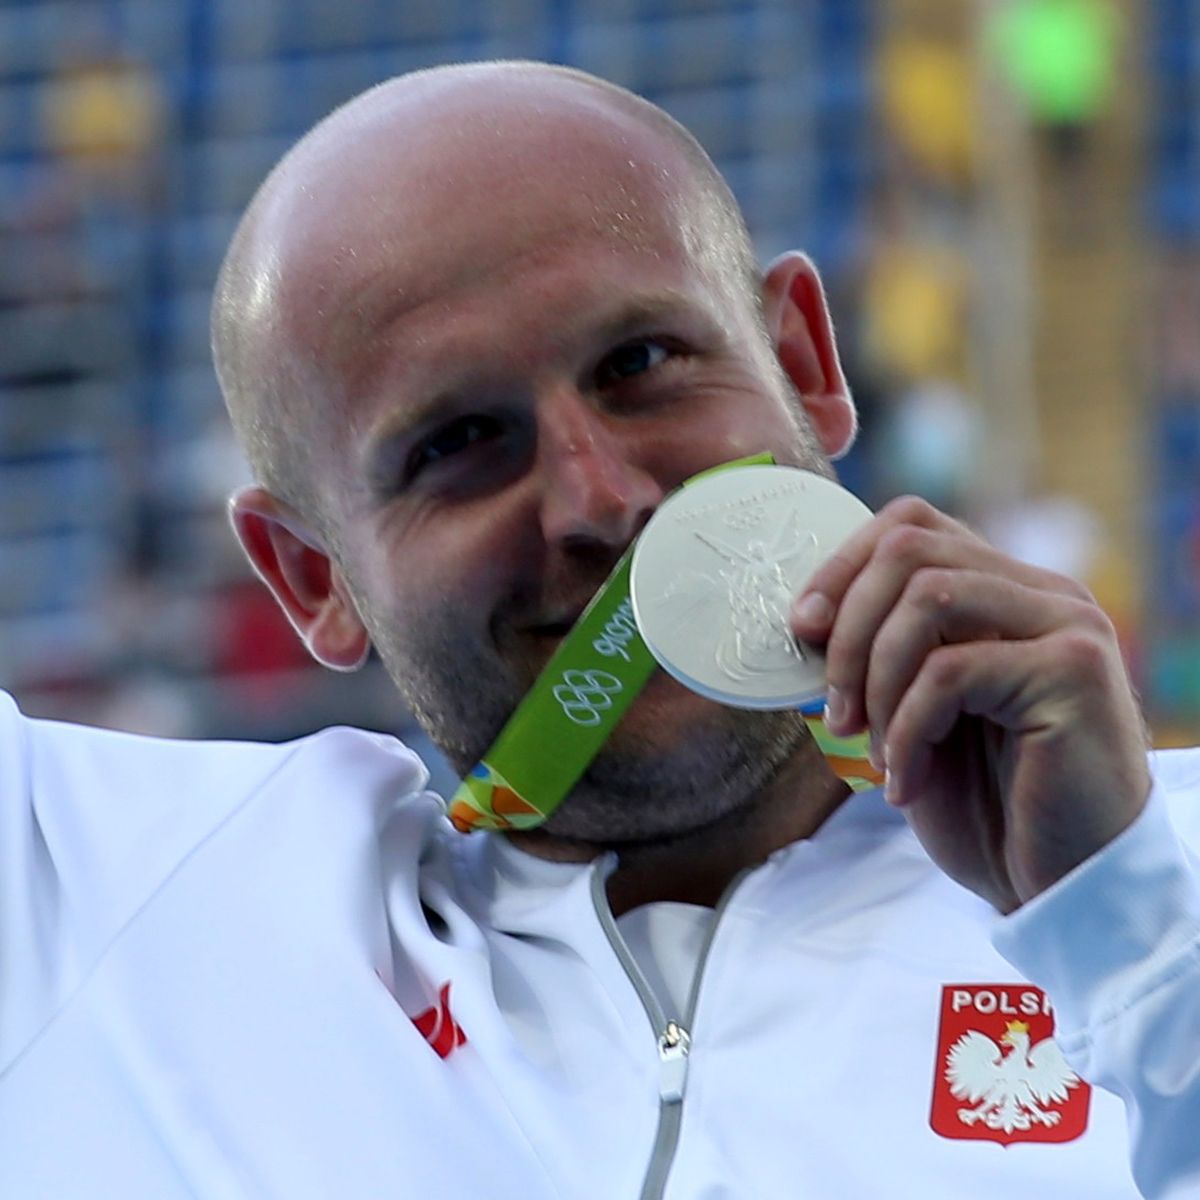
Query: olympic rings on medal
[[584, 695]]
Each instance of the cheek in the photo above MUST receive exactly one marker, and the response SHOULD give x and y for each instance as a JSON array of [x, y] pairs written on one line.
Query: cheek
[[459, 561], [748, 423], [478, 554]]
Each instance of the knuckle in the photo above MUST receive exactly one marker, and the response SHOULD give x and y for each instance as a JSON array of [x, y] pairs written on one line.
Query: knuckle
[[1094, 618], [1076, 590], [839, 565], [912, 510], [929, 588], [1081, 654], [1059, 584], [947, 667], [905, 545], [1086, 618]]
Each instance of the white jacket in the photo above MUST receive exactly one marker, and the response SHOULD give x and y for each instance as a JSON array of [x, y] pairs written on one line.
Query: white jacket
[[236, 970]]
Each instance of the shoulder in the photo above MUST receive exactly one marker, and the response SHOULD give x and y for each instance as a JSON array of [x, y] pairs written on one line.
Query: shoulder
[[108, 815], [119, 772], [94, 824]]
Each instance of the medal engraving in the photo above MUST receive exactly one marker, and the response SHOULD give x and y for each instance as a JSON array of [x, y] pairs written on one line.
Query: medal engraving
[[715, 573]]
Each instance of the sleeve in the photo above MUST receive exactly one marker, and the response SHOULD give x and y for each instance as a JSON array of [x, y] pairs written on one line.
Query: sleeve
[[1116, 945]]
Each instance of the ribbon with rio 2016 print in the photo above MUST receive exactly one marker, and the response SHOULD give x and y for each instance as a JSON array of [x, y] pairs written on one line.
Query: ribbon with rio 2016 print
[[575, 703], [568, 714]]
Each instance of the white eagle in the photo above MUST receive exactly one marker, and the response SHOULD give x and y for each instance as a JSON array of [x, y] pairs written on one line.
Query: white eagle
[[1008, 1089]]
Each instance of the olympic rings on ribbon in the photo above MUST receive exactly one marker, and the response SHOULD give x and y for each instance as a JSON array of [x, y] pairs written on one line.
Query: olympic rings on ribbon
[[584, 695]]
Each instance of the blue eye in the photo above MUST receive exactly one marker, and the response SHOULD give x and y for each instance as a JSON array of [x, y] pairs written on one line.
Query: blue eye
[[451, 439], [633, 358]]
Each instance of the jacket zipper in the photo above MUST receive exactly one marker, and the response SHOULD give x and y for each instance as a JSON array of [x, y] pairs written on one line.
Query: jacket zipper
[[674, 1036]]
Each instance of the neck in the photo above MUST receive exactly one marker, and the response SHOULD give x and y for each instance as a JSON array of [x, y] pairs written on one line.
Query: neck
[[696, 867]]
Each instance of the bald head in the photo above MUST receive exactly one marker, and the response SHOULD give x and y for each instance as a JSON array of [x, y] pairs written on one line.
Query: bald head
[[405, 170]]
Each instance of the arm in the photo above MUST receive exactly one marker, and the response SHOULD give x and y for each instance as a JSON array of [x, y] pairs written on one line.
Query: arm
[[1117, 944]]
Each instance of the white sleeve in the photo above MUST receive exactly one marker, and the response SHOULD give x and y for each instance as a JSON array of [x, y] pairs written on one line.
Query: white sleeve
[[1116, 946]]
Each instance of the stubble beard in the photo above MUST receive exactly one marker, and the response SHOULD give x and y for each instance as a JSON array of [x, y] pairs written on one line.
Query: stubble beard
[[638, 792], [638, 789]]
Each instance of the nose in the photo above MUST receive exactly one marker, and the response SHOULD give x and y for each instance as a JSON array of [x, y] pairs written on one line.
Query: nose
[[593, 493]]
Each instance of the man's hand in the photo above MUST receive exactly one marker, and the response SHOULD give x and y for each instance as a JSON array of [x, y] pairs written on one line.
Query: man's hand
[[995, 694]]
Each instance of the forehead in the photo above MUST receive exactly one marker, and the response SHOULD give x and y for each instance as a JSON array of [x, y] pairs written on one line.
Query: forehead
[[397, 215]]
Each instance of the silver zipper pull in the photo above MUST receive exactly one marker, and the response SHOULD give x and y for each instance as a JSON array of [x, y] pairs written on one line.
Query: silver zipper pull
[[673, 1049]]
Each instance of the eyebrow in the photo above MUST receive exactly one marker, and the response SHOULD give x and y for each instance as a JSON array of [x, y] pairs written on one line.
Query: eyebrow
[[641, 312], [386, 438]]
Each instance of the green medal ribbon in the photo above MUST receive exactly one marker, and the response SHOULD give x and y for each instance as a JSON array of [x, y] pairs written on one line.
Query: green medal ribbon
[[575, 703]]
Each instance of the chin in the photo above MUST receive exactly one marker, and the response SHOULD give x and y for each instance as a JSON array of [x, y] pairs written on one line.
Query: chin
[[667, 715], [676, 764]]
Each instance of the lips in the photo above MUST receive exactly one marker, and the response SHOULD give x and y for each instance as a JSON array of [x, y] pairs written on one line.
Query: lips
[[530, 645], [555, 619], [552, 615], [558, 627]]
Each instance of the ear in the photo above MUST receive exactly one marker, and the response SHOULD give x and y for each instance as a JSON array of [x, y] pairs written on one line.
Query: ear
[[799, 326], [291, 561]]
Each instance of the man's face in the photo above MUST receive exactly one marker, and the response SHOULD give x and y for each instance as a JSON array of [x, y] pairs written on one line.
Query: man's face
[[524, 366]]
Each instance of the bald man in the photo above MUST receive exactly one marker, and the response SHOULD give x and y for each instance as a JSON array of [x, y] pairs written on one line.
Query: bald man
[[472, 330]]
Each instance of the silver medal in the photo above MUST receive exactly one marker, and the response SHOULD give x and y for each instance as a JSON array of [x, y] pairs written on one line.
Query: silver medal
[[716, 569]]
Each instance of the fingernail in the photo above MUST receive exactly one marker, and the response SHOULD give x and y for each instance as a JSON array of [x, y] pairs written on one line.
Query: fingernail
[[835, 708], [891, 788], [876, 752], [813, 610]]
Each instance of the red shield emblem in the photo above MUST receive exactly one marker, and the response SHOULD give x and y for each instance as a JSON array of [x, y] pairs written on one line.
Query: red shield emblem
[[999, 1077]]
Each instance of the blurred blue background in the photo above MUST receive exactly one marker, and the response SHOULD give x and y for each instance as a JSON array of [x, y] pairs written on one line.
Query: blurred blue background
[[1003, 196]]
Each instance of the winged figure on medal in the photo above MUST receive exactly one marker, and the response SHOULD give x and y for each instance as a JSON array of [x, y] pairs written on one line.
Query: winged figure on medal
[[753, 588]]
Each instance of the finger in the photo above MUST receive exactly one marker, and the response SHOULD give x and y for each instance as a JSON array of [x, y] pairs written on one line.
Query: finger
[[940, 607], [888, 532], [898, 555], [833, 577], [954, 681], [1067, 679]]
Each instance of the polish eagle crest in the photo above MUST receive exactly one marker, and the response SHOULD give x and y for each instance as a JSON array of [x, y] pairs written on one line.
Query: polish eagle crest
[[1010, 1086]]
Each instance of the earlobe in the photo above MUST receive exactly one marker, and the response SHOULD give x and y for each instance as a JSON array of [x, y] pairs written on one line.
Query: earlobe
[[290, 559], [799, 325]]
